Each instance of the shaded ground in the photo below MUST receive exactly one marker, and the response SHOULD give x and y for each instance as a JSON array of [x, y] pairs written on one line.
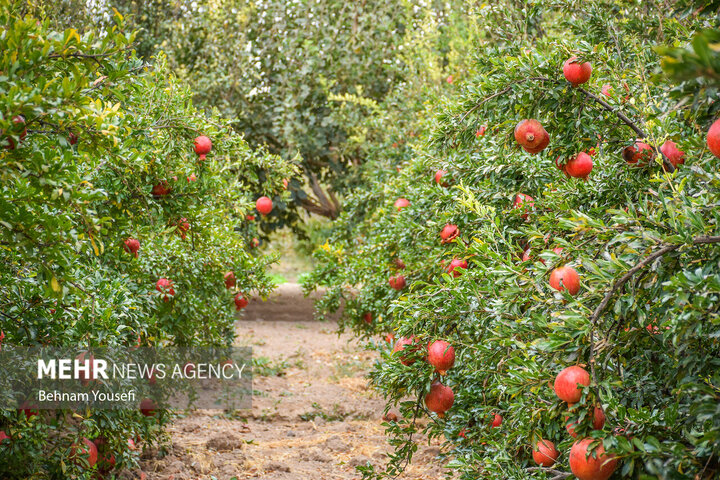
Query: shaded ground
[[312, 417]]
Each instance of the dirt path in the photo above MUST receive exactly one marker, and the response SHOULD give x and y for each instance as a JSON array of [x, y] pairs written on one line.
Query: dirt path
[[312, 416]]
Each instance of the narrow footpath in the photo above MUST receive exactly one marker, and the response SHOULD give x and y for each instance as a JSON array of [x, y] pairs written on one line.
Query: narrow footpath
[[313, 415]]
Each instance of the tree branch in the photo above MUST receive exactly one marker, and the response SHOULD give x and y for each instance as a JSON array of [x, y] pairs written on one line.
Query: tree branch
[[700, 240]]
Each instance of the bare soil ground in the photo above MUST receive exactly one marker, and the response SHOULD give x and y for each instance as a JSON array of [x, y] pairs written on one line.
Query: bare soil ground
[[313, 415]]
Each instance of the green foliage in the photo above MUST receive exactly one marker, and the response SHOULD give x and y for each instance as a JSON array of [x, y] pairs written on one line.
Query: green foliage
[[644, 240], [67, 206]]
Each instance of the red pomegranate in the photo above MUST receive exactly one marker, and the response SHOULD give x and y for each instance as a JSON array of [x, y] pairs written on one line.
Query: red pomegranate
[[579, 166], [399, 263], [565, 278], [367, 317], [531, 135], [449, 79], [713, 138], [439, 399], [526, 202], [456, 266], [30, 410], [230, 280], [566, 383], [264, 205], [397, 282], [673, 154], [598, 422], [192, 178], [161, 189], [401, 203], [576, 72], [19, 119], [545, 454], [606, 90], [449, 233], [441, 355], [147, 407], [639, 154], [132, 245], [240, 301], [587, 465], [254, 243], [250, 218], [165, 287], [497, 420], [72, 138], [203, 145], [438, 178], [84, 453], [406, 342], [183, 226]]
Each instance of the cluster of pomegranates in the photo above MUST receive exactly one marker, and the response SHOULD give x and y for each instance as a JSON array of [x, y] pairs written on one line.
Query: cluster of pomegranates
[[586, 463]]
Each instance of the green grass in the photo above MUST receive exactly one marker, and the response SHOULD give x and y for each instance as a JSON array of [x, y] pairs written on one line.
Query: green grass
[[277, 278]]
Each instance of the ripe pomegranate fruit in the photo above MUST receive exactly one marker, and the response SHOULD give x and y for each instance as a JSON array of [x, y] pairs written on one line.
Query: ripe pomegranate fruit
[[579, 166], [147, 407], [438, 178], [566, 383], [439, 399], [606, 90], [87, 452], [713, 138], [526, 202], [441, 355], [390, 417], [673, 154], [401, 203], [183, 226], [203, 145], [250, 217], [406, 342], [531, 135], [598, 422], [587, 465], [565, 278], [397, 282], [192, 178], [497, 420], [165, 287], [72, 138], [264, 205], [30, 410], [640, 154], [449, 233], [367, 317], [455, 267], [19, 119], [545, 454], [399, 263], [576, 72], [230, 280], [131, 245], [240, 301], [449, 79], [161, 189]]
